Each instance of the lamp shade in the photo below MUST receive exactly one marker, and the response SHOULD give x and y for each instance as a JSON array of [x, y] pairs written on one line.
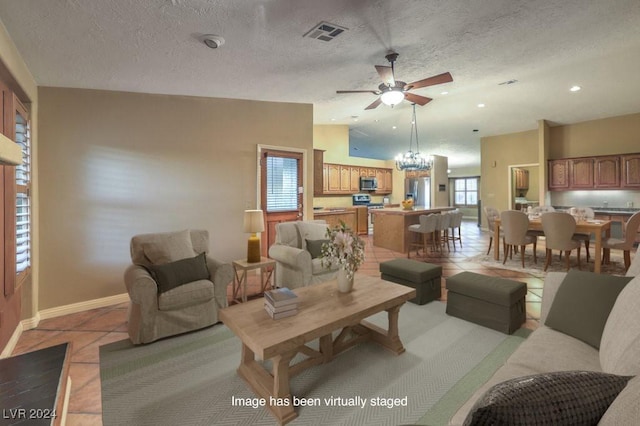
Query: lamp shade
[[253, 221], [392, 97]]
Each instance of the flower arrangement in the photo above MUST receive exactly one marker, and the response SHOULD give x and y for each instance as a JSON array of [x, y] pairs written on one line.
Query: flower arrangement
[[343, 249]]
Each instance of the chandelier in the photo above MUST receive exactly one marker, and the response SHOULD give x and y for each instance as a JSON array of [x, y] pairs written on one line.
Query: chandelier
[[413, 160]]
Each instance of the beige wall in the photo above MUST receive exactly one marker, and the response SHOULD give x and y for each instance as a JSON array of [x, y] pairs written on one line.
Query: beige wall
[[12, 60], [497, 154], [334, 140], [615, 135], [116, 164]]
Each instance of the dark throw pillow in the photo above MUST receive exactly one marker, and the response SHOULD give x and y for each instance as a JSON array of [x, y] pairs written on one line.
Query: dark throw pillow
[[174, 274], [582, 305], [551, 399], [315, 247]]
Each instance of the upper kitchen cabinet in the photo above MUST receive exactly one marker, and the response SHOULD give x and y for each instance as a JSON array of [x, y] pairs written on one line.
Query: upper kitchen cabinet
[[631, 171], [558, 174], [606, 172], [522, 179], [581, 173]]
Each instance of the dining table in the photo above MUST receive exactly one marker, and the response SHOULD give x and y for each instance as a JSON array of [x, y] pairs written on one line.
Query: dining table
[[583, 226]]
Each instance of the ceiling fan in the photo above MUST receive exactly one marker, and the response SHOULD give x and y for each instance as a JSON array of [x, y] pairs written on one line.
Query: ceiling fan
[[393, 91]]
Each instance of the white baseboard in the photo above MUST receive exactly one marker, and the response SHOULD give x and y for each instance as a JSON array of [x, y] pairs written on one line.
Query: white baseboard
[[13, 341], [31, 323], [83, 306]]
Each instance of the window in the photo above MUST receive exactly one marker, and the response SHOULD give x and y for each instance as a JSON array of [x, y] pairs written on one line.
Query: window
[[282, 184], [23, 193], [465, 192]]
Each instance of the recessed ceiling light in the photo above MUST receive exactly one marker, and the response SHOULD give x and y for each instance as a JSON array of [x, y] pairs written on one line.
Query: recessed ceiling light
[[481, 105], [448, 170], [475, 130], [394, 127], [575, 88], [444, 93], [333, 119], [354, 117], [212, 41], [512, 81]]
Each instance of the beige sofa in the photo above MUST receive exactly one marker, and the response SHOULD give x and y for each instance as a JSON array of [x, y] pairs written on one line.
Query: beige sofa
[[548, 350], [154, 315], [294, 264]]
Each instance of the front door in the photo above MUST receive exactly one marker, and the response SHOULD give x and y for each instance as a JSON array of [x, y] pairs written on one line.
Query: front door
[[281, 191]]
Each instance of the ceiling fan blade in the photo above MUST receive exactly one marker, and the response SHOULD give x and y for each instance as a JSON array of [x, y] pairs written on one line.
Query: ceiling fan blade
[[374, 104], [386, 74], [431, 81], [375, 92], [417, 99]]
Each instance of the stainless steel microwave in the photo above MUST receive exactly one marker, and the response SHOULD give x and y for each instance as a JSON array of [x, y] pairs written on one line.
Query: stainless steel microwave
[[368, 183]]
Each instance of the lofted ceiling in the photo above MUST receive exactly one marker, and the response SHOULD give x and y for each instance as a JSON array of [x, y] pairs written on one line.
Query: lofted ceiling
[[154, 46]]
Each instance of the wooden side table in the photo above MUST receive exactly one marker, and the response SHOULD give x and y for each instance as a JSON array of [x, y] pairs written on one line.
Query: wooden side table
[[242, 267]]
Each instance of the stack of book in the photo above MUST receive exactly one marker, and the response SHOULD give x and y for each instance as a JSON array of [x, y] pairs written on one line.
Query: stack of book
[[280, 303]]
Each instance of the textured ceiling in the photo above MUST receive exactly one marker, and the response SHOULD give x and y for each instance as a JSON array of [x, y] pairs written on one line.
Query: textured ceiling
[[153, 46]]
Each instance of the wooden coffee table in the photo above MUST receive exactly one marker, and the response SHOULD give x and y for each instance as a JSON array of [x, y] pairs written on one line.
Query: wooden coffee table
[[322, 310]]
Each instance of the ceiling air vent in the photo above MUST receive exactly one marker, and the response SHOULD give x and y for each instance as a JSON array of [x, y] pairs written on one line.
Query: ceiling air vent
[[325, 31]]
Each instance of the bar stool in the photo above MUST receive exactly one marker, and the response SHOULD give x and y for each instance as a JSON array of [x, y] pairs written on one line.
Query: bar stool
[[456, 222], [426, 226], [442, 230]]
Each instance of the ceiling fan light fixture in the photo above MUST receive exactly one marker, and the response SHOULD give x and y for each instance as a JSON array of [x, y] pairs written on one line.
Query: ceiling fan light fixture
[[392, 97]]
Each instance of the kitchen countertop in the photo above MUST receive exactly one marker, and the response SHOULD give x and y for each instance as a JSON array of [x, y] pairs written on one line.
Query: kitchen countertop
[[622, 211], [417, 210]]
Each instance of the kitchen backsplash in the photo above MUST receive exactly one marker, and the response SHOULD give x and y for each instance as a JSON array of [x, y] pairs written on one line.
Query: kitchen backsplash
[[591, 198]]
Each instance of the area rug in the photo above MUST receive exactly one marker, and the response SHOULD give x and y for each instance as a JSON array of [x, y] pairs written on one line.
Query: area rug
[[192, 380], [615, 267]]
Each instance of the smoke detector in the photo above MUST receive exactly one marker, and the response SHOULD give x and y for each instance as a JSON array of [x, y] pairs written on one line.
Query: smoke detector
[[212, 41]]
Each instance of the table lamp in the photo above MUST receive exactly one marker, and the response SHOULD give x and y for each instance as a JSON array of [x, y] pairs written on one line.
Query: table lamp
[[253, 224]]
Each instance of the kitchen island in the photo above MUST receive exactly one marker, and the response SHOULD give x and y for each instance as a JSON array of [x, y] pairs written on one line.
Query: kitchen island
[[391, 225]]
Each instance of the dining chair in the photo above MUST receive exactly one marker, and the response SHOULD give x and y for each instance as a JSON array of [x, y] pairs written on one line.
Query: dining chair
[[426, 227], [626, 244], [492, 214], [542, 209], [455, 223], [442, 231], [586, 213], [515, 225], [559, 228]]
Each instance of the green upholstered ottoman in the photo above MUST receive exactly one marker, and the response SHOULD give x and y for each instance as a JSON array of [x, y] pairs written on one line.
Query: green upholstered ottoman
[[424, 277], [493, 302]]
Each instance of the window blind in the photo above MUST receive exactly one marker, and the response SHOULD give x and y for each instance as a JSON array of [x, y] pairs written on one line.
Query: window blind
[[23, 197], [282, 184]]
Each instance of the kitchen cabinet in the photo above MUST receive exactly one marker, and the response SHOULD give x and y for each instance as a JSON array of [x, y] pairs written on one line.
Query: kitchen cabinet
[[333, 178], [362, 220], [558, 174], [599, 172], [417, 173], [522, 179], [630, 171], [345, 178], [333, 217], [606, 172], [355, 179], [581, 173]]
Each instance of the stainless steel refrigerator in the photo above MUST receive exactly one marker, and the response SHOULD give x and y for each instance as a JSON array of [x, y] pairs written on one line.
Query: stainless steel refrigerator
[[419, 189]]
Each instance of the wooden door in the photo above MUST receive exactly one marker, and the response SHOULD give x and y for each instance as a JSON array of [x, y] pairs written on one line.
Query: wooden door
[[355, 179], [631, 171], [281, 191], [607, 172], [558, 174], [581, 173]]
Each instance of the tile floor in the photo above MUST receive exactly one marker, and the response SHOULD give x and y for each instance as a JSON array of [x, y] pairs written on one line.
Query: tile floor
[[88, 330]]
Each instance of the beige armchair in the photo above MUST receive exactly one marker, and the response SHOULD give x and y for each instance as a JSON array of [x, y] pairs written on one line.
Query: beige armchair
[[295, 265], [154, 314]]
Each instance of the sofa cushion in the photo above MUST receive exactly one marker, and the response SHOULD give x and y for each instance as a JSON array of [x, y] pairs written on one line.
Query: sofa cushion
[[193, 293], [312, 230], [174, 274], [620, 344], [583, 303], [625, 409], [556, 398], [314, 247], [550, 350], [169, 247]]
